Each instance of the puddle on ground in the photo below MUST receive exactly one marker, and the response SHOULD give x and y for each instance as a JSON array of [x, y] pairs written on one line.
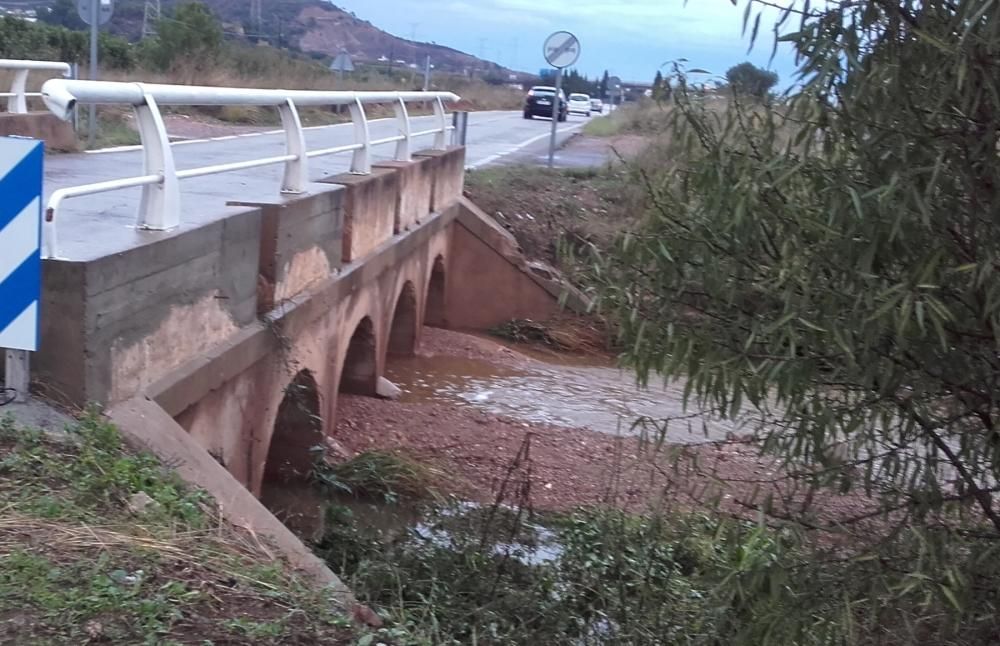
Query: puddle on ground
[[301, 506], [601, 398]]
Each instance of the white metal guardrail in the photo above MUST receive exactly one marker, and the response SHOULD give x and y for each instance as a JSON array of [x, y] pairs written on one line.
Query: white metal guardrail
[[159, 208], [17, 98]]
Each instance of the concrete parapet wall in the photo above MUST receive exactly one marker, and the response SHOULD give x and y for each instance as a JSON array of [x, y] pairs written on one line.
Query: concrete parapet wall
[[447, 168], [300, 242], [370, 203], [416, 186], [56, 133], [111, 326]]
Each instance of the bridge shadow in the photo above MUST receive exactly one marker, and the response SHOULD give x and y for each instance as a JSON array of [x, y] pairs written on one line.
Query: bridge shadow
[[298, 432], [360, 371], [434, 310], [403, 331]]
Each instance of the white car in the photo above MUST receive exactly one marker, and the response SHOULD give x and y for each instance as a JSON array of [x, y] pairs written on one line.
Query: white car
[[579, 104]]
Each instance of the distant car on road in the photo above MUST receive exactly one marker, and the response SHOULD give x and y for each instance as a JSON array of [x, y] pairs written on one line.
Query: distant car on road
[[597, 106], [539, 102], [579, 104]]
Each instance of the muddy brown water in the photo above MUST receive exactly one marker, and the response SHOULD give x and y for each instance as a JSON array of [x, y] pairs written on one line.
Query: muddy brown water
[[575, 394]]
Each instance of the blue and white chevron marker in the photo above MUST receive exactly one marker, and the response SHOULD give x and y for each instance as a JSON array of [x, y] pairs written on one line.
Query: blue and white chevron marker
[[20, 235]]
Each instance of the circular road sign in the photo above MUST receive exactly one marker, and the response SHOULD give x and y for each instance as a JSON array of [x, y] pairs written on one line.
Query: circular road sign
[[562, 49], [104, 10]]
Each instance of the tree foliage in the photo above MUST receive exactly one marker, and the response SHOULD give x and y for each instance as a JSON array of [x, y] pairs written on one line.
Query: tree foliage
[[188, 42], [62, 13], [749, 80], [826, 268], [574, 81], [40, 41]]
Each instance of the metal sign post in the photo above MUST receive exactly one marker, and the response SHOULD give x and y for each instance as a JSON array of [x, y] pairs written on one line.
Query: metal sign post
[[561, 49], [95, 13], [556, 109], [21, 261], [614, 87]]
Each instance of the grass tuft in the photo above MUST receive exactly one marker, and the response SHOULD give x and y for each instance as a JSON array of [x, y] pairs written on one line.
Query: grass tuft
[[379, 475], [78, 565]]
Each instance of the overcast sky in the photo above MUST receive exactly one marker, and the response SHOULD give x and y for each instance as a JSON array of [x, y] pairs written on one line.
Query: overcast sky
[[632, 38]]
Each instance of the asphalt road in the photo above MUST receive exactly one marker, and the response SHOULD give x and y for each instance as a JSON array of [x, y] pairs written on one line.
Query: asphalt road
[[94, 225]]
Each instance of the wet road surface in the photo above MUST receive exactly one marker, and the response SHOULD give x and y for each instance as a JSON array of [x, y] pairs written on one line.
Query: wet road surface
[[104, 223]]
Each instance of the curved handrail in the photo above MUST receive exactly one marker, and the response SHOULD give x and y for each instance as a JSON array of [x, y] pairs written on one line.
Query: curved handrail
[[160, 205], [17, 98]]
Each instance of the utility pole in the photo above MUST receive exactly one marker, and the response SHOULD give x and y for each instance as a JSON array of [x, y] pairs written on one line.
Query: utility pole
[[427, 74], [150, 18], [413, 40], [256, 17]]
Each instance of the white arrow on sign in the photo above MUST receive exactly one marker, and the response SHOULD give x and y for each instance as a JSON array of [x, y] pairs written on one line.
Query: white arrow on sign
[[562, 49]]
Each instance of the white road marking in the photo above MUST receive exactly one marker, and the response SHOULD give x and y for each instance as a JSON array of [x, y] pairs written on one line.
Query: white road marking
[[513, 149]]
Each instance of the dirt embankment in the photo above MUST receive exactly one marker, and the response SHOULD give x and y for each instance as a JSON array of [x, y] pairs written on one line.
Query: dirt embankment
[[552, 210]]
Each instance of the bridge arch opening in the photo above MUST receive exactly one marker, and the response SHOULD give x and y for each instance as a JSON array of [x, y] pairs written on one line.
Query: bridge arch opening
[[403, 331], [434, 312], [359, 374], [298, 429]]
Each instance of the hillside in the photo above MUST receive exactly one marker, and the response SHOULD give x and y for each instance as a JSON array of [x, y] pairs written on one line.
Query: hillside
[[315, 27]]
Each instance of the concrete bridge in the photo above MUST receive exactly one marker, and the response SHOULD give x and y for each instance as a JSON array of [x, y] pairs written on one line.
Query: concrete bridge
[[222, 343]]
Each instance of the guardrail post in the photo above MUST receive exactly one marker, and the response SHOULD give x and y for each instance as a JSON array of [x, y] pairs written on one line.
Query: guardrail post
[[403, 146], [160, 208], [18, 104], [460, 125], [361, 163], [440, 137], [296, 170]]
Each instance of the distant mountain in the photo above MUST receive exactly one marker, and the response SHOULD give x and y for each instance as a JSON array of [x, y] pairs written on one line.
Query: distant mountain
[[317, 27]]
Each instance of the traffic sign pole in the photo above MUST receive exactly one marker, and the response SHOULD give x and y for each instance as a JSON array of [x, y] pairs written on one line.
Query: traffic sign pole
[[561, 49], [92, 114], [555, 118]]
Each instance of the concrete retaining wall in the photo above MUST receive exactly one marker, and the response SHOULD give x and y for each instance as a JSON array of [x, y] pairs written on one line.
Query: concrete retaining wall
[[300, 242], [369, 210], [111, 326], [416, 185], [489, 280], [447, 168], [56, 133]]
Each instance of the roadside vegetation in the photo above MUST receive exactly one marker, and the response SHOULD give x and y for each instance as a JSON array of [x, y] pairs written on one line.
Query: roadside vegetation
[[100, 545], [191, 48], [826, 258]]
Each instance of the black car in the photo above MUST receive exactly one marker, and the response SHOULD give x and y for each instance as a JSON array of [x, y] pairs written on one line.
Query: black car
[[540, 100]]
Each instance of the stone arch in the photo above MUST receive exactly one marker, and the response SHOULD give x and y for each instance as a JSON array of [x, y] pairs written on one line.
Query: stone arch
[[434, 311], [403, 328], [298, 429], [360, 370]]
